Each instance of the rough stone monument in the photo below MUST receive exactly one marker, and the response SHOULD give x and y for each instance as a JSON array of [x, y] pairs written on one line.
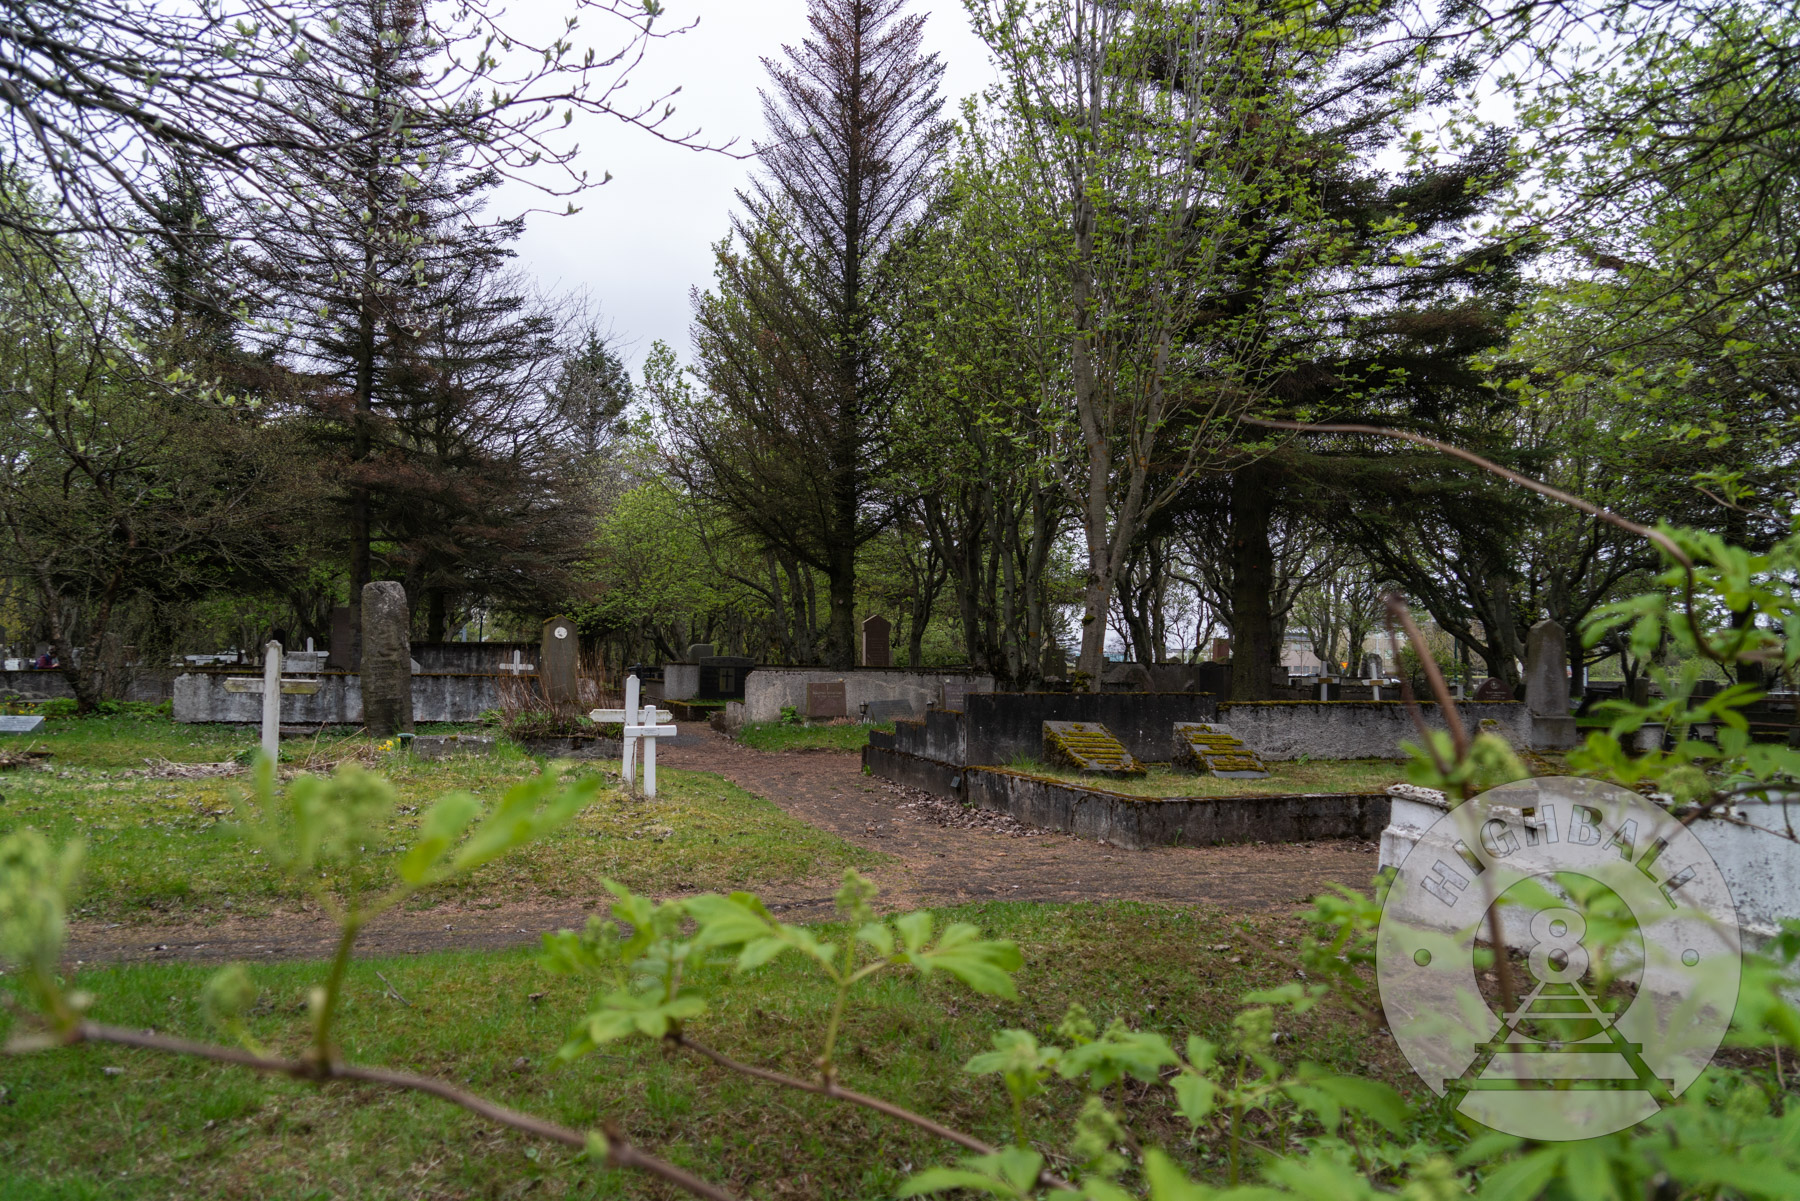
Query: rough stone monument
[[1547, 687], [1089, 748], [876, 651], [556, 663], [386, 659]]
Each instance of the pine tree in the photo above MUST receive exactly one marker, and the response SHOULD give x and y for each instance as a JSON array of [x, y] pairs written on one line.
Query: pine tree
[[791, 440]]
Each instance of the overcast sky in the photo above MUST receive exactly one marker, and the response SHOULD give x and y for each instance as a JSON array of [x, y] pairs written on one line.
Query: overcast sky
[[642, 241]]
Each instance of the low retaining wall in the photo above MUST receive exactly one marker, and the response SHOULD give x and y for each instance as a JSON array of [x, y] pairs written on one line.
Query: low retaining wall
[[149, 684], [1134, 822], [999, 727], [201, 696], [767, 689], [1358, 729]]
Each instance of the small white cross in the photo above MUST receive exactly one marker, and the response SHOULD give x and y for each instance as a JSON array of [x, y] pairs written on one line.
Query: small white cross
[[517, 666], [272, 686], [639, 723]]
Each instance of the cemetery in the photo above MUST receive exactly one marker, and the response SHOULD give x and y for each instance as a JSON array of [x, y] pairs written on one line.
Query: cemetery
[[1072, 598]]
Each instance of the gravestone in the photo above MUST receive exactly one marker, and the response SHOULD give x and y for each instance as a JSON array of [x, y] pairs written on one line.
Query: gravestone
[[1210, 748], [11, 723], [556, 663], [386, 659], [876, 651], [876, 712], [1492, 689], [1221, 650], [954, 694], [1547, 687], [698, 651], [342, 656], [1056, 664], [1089, 748], [825, 700], [1371, 667]]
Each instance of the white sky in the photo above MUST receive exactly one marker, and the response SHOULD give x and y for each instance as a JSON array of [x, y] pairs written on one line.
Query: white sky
[[643, 240]]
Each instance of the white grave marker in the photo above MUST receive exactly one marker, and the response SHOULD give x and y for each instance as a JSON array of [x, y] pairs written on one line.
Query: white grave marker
[[639, 723], [271, 686]]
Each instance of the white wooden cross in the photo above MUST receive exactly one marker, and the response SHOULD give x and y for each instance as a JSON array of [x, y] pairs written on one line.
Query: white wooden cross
[[516, 666], [272, 686], [639, 723]]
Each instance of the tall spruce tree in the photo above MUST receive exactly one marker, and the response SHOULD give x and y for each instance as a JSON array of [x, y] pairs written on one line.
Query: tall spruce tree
[[788, 437], [426, 364]]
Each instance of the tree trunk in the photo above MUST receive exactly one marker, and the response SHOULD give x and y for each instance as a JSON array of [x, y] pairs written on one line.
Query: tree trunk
[[1253, 583], [435, 617]]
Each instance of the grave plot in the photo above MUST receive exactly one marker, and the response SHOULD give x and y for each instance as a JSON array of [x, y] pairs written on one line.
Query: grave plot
[[1089, 748], [1212, 749]]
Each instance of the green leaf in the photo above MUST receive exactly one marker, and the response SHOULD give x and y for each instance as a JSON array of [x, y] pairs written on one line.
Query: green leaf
[[985, 965], [444, 823]]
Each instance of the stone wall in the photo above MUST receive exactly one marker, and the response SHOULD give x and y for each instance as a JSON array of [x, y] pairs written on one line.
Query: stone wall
[[1358, 729], [767, 689], [464, 657], [147, 684], [201, 696], [1134, 822], [999, 727]]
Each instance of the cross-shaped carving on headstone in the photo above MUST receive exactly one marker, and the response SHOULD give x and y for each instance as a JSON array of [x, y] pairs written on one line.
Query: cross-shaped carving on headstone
[[272, 686], [644, 723]]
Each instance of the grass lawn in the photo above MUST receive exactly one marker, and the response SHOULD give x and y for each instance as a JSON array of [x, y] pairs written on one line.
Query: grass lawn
[[1318, 775], [98, 1121], [161, 849], [834, 736]]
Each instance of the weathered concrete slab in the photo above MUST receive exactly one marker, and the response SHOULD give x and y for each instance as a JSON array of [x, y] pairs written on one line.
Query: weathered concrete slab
[[1088, 748], [1213, 749]]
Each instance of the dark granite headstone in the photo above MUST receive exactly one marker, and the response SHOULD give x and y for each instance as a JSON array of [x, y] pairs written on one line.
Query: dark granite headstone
[[343, 639], [722, 677], [1056, 664], [955, 692], [877, 712], [825, 700], [1492, 689], [556, 663], [386, 659], [876, 651]]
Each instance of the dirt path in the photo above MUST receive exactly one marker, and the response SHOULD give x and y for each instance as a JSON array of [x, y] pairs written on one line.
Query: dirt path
[[982, 857], [945, 854]]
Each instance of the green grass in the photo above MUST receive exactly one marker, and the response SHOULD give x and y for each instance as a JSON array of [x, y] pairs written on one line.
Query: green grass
[[163, 849], [106, 1122], [776, 736], [1322, 775]]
